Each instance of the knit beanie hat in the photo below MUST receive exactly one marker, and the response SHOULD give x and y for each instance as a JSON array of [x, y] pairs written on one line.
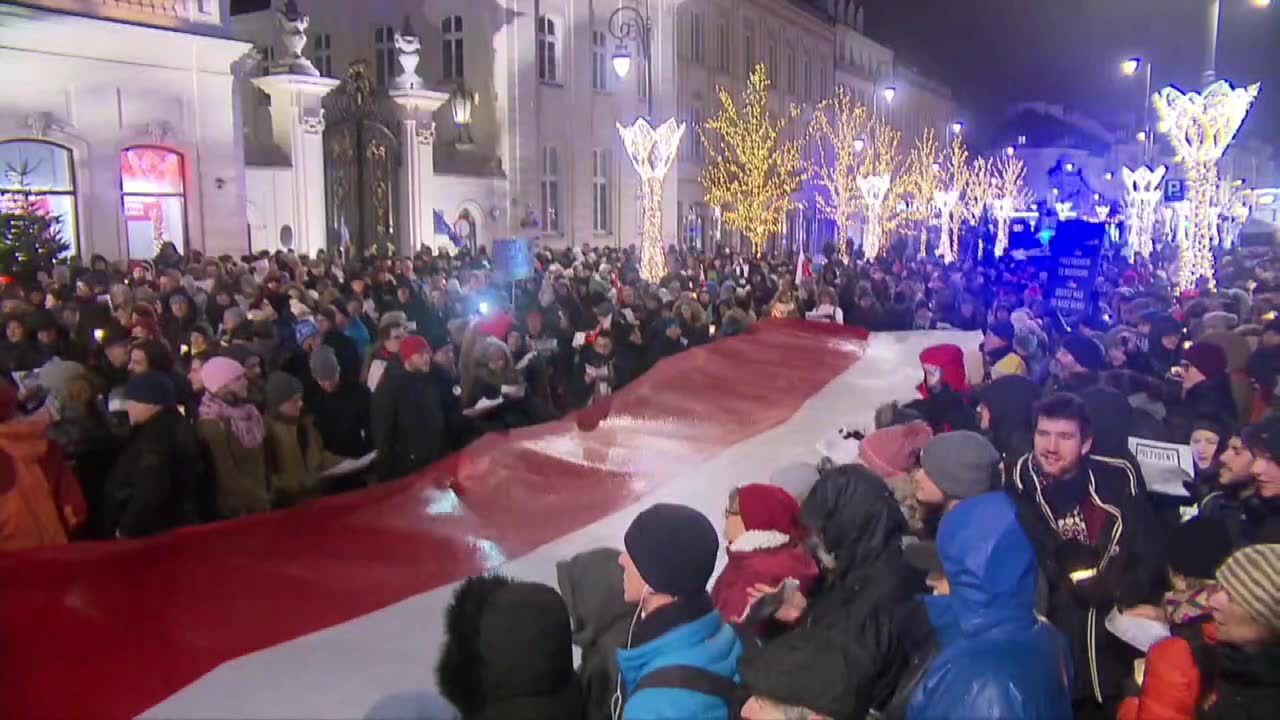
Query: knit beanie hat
[[220, 372], [894, 451], [305, 330], [768, 507], [324, 364], [1251, 577], [962, 464], [1086, 351], [674, 548], [412, 345], [151, 388], [281, 388], [57, 375], [1003, 330], [1209, 359], [1199, 546]]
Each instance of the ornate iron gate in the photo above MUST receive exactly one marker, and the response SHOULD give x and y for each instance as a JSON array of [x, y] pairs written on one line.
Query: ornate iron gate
[[361, 162]]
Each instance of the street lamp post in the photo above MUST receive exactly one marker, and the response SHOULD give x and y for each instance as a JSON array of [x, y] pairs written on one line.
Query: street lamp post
[[625, 23], [1212, 25], [1131, 67]]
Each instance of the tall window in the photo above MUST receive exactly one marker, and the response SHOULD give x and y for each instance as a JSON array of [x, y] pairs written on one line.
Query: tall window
[[722, 45], [321, 54], [601, 168], [599, 62], [822, 82], [697, 36], [771, 62], [695, 121], [384, 53], [451, 30], [548, 50], [791, 72], [268, 54], [749, 48], [44, 174], [808, 79], [154, 202], [551, 189]]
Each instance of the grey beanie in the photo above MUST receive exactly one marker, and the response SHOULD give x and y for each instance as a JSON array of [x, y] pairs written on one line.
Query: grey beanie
[[961, 463], [324, 364], [281, 388]]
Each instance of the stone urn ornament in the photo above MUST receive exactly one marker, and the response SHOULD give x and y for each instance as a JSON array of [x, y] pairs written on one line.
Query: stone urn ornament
[[293, 36], [408, 46]]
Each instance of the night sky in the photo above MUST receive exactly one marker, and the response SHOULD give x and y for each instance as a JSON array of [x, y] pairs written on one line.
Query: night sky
[[997, 52]]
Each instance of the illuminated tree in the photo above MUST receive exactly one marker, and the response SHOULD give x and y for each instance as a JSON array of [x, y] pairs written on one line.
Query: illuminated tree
[[752, 167], [880, 180], [30, 236], [838, 133], [1011, 194], [922, 186]]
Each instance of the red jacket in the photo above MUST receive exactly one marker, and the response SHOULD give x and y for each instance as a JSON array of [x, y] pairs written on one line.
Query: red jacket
[[1171, 685], [765, 557]]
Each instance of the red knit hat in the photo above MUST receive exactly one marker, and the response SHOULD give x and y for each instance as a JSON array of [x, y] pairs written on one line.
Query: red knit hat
[[892, 452], [1208, 358], [768, 507], [412, 345]]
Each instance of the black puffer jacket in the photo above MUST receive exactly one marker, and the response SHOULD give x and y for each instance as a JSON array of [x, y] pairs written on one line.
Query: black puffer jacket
[[407, 423], [508, 654], [156, 482], [1209, 399], [1009, 400]]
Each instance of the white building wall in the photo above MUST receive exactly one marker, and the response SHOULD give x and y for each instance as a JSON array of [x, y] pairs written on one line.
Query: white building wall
[[99, 87]]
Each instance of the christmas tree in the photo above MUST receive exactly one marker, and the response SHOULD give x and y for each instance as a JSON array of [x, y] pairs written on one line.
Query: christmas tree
[[30, 236]]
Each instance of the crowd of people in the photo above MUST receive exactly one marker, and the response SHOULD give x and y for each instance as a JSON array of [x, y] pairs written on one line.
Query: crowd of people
[[979, 555]]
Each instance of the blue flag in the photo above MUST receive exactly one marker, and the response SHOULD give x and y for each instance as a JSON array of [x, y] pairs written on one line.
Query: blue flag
[[443, 228]]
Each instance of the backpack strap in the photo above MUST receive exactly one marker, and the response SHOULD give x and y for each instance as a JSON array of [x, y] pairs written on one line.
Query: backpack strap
[[695, 679]]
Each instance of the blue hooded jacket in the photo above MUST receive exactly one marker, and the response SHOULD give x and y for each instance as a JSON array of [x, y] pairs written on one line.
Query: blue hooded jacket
[[707, 643], [997, 658]]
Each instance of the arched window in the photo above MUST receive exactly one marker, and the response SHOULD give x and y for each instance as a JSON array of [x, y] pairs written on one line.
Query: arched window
[[43, 173], [155, 207]]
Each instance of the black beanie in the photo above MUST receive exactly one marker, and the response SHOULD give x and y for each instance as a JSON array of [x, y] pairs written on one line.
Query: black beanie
[[674, 549], [1198, 546], [1085, 350], [151, 388]]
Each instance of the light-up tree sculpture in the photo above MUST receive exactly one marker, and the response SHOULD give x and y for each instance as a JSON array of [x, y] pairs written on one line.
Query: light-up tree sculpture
[[752, 167], [946, 202], [651, 151], [838, 133], [882, 191], [960, 193], [921, 183], [1200, 127], [1009, 176], [875, 189], [1141, 195]]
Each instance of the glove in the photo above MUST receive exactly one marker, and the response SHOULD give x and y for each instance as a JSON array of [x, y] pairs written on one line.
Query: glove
[[1077, 564]]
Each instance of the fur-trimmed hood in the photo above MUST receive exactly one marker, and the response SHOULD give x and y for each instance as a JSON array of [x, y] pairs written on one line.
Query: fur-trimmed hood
[[508, 653]]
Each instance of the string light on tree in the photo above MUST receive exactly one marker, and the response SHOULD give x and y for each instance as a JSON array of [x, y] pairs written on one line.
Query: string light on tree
[[1009, 180], [752, 169], [1142, 194], [651, 151], [1200, 127], [837, 134], [874, 191], [922, 182]]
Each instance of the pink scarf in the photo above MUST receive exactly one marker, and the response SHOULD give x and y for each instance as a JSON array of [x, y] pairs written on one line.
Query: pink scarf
[[245, 420]]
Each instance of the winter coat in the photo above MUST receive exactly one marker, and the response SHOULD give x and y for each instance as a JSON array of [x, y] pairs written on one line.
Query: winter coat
[[240, 473], [1237, 349], [154, 484], [347, 352], [1129, 558], [591, 584], [342, 418], [507, 653], [997, 659], [703, 641], [407, 423], [296, 458], [1009, 401], [40, 501], [765, 557], [1208, 399], [1190, 676]]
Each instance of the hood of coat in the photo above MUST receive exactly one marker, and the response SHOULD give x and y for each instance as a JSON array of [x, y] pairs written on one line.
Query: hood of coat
[[591, 584], [505, 641], [1112, 418], [950, 360], [805, 668], [1010, 400], [756, 540], [855, 514], [989, 563]]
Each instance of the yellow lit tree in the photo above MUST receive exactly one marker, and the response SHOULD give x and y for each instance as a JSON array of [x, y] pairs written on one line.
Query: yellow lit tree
[[880, 176], [1011, 194], [921, 184], [838, 133], [752, 167]]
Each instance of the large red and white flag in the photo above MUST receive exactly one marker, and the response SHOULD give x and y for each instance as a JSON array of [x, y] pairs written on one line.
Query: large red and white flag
[[321, 610]]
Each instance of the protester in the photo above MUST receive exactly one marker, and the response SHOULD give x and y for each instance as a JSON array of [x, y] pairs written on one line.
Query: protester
[[407, 420], [1005, 414], [341, 409], [999, 354], [955, 466], [670, 556], [1078, 362], [508, 653], [1261, 516], [1223, 490], [232, 429], [1096, 542], [591, 583], [41, 504], [296, 451]]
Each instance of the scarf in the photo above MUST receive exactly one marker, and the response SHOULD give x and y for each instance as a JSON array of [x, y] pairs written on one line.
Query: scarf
[[1187, 606], [245, 420]]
